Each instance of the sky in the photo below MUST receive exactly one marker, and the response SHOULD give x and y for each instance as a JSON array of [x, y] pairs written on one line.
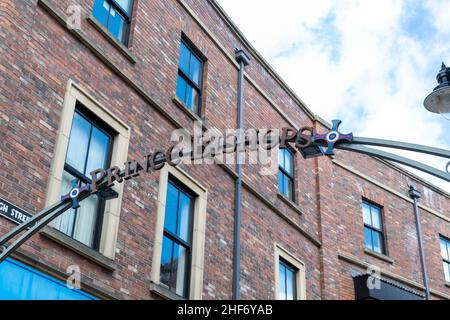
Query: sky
[[369, 63]]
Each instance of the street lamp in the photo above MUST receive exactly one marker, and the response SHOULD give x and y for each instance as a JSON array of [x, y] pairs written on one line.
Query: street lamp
[[438, 101]]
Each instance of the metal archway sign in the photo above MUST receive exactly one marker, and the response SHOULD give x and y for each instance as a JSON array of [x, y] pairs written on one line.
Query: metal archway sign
[[320, 144]]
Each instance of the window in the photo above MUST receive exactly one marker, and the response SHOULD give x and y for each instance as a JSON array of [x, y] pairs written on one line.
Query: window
[[373, 228], [115, 15], [287, 281], [179, 243], [445, 251], [176, 249], [290, 276], [76, 97], [189, 82], [286, 173], [89, 148]]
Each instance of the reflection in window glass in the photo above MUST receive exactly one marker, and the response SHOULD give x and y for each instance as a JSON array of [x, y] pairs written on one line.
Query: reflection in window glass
[[190, 69], [88, 149], [373, 230], [445, 252], [124, 4], [287, 281], [285, 173], [177, 239], [115, 15]]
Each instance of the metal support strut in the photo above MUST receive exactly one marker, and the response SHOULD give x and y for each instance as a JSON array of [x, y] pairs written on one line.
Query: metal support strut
[[34, 224]]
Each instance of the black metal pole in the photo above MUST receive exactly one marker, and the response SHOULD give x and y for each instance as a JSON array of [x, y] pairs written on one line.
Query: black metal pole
[[243, 61], [46, 218], [415, 195]]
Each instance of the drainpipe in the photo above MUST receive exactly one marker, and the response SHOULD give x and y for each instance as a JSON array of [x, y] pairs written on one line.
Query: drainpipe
[[243, 59], [415, 195]]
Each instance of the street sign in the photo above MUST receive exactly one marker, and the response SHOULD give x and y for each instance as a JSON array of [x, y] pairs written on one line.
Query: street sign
[[13, 213]]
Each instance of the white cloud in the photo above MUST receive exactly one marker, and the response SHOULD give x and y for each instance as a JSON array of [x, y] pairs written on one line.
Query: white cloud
[[369, 63]]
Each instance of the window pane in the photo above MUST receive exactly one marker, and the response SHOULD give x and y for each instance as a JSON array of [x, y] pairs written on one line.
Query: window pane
[[447, 271], [366, 214], [444, 250], [98, 151], [368, 238], [85, 221], [78, 142], [179, 269], [282, 281], [101, 11], [184, 217], [64, 222], [289, 284], [376, 240], [376, 217], [281, 157], [281, 182], [116, 24], [125, 5], [191, 98], [288, 161], [289, 188], [170, 217], [166, 261], [195, 70], [184, 58], [181, 89]]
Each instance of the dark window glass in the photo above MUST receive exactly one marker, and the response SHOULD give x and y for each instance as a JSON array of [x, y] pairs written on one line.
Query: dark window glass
[[115, 15], [286, 173], [88, 149], [176, 249], [189, 82], [287, 281], [445, 252], [373, 228]]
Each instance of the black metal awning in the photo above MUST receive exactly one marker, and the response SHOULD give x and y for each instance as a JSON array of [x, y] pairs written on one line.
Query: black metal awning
[[387, 290]]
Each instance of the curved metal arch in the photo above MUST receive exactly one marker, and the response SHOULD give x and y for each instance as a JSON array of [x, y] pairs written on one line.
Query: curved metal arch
[[396, 158], [403, 146]]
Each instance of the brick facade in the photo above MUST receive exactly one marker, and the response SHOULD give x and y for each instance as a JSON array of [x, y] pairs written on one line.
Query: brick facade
[[39, 55]]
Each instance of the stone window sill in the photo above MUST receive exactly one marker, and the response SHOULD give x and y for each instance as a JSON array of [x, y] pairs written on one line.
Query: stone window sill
[[78, 247], [111, 39], [290, 203], [380, 256], [163, 292], [185, 109]]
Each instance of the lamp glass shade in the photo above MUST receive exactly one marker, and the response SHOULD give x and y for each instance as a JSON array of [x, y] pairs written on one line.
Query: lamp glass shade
[[439, 101]]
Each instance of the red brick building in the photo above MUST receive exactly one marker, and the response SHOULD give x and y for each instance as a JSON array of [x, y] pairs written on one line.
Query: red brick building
[[114, 88]]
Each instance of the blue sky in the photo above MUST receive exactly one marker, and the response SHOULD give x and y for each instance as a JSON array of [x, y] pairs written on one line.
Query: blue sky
[[369, 63]]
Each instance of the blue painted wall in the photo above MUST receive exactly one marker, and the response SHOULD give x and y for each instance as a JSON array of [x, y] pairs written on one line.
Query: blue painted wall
[[21, 282]]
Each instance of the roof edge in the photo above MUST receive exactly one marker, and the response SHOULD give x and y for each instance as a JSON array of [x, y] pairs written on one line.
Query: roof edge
[[221, 12]]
